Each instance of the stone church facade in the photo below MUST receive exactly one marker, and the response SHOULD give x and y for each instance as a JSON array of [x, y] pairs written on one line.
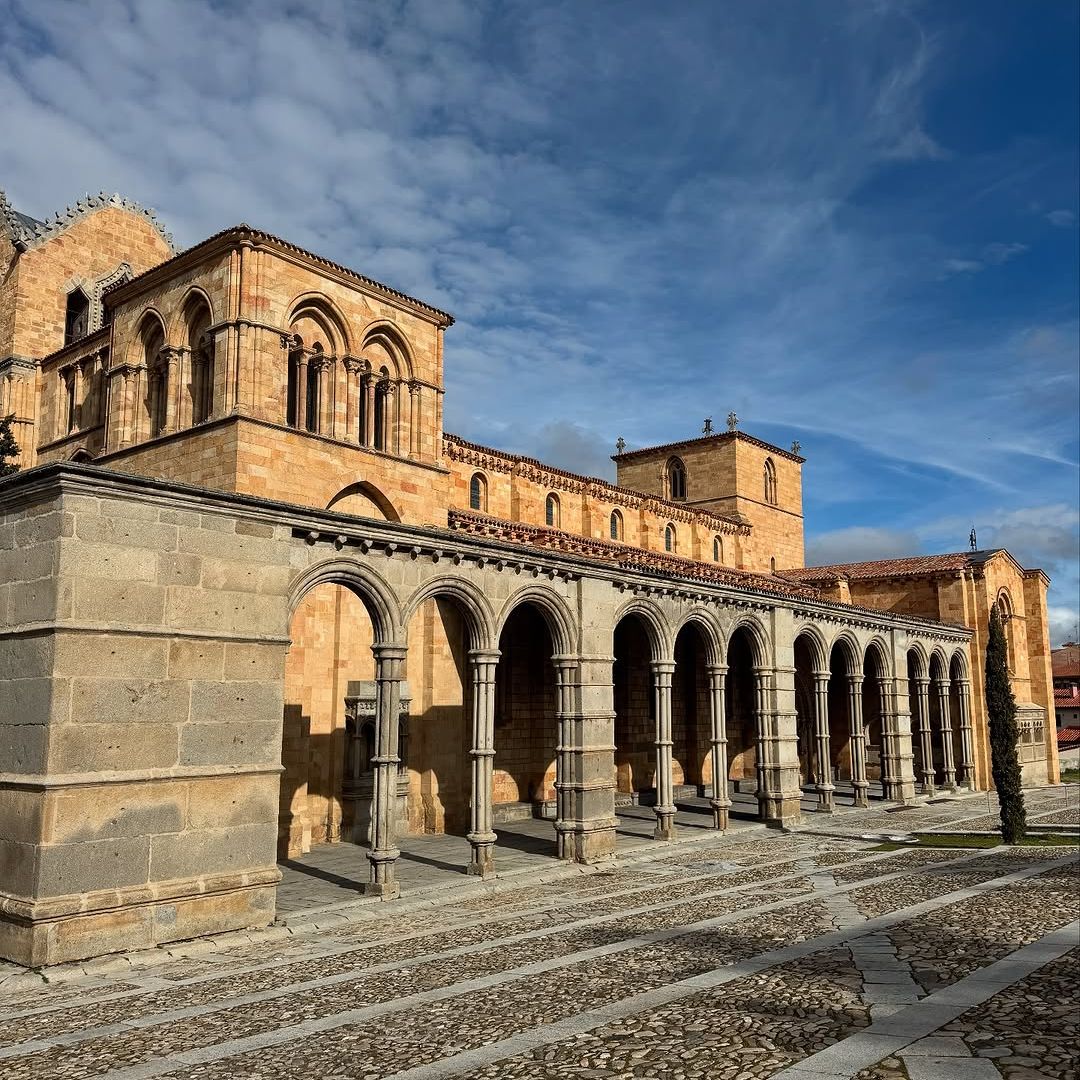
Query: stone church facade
[[253, 599]]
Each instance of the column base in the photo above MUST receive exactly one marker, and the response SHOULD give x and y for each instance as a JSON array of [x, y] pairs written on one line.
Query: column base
[[665, 826], [825, 798], [720, 817], [385, 890], [861, 797], [482, 862]]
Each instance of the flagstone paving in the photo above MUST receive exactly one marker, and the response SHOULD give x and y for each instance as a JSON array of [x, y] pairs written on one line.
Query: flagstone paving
[[804, 955]]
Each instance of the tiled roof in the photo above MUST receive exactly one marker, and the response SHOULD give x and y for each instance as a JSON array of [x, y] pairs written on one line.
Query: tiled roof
[[720, 436], [1068, 738], [258, 234], [1066, 662], [886, 568], [1066, 697]]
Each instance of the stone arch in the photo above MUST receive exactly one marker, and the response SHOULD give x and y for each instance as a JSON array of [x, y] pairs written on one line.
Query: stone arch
[[81, 455], [560, 622], [393, 342], [918, 661], [850, 650], [372, 590], [711, 633], [818, 646], [478, 615], [361, 493], [151, 323], [958, 665], [193, 299], [316, 310], [759, 639], [880, 650], [938, 665], [661, 641]]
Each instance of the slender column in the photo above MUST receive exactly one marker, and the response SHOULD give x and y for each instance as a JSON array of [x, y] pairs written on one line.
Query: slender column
[[324, 407], [389, 426], [662, 670], [389, 664], [167, 386], [352, 368], [823, 744], [565, 669], [948, 767], [967, 750], [369, 411], [302, 391], [858, 741], [76, 375], [414, 419], [721, 800], [761, 698], [482, 834], [926, 735]]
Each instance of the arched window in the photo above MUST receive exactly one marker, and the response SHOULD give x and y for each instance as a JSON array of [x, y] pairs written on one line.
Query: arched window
[[717, 549], [157, 374], [77, 316], [671, 541], [772, 565], [616, 525], [200, 345], [1005, 613], [478, 492], [770, 482], [676, 477], [70, 405], [551, 510], [300, 411], [311, 413]]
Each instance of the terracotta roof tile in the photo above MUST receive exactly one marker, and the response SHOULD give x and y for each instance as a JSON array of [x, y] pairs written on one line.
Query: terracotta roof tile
[[1066, 662], [1068, 738], [885, 568]]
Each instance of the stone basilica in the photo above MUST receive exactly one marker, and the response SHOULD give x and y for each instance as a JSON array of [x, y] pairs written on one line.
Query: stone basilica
[[254, 599]]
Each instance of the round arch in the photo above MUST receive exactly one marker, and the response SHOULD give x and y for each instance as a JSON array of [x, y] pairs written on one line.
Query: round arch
[[150, 322], [819, 648], [555, 612], [938, 665], [710, 632], [661, 643], [850, 650], [877, 647], [320, 309], [370, 492], [195, 297], [389, 335], [373, 592], [478, 614], [918, 660], [958, 665], [759, 639]]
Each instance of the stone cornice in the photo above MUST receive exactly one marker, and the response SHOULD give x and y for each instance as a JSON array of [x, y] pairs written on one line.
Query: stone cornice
[[398, 540]]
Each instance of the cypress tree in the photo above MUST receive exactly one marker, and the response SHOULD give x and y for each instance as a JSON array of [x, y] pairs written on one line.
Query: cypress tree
[[9, 448], [1001, 716]]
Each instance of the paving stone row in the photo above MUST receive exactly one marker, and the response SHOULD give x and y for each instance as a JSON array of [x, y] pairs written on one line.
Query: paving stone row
[[749, 1028], [1032, 1029], [418, 1037], [946, 945]]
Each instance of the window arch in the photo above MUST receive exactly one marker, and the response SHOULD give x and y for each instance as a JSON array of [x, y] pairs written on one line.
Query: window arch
[[718, 549], [478, 492], [770, 482], [616, 525], [676, 480], [671, 540], [551, 510], [157, 374], [77, 316], [382, 405], [1005, 613], [200, 345], [772, 565], [301, 410]]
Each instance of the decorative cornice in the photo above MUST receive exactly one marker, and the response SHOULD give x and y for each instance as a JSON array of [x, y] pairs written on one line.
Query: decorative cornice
[[720, 436], [25, 236]]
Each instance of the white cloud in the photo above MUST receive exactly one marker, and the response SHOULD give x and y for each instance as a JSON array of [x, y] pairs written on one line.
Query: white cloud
[[1062, 219], [1064, 622]]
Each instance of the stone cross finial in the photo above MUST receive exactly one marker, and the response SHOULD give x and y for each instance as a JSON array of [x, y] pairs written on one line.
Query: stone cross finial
[[620, 445], [732, 422], [707, 429], [973, 541], [796, 446]]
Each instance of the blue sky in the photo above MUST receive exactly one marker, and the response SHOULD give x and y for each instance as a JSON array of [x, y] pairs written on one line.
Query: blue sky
[[855, 224]]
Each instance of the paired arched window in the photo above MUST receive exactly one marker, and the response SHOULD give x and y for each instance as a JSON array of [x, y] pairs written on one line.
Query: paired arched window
[[671, 541], [77, 316], [1005, 613], [478, 492], [616, 525], [676, 480], [770, 482], [551, 510], [717, 549], [301, 410]]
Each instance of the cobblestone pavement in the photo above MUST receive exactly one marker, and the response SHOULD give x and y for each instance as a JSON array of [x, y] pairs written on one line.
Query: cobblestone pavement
[[801, 955]]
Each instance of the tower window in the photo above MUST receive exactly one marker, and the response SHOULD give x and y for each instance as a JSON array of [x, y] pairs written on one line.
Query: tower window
[[717, 549], [676, 477], [616, 525], [770, 482], [551, 511], [77, 316], [478, 492], [670, 539]]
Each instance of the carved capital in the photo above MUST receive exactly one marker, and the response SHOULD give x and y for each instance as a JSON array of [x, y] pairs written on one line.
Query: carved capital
[[352, 365], [415, 386]]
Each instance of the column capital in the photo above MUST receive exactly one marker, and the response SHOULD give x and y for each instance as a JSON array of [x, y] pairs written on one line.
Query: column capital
[[484, 656], [389, 650], [716, 669], [854, 681], [662, 667], [355, 366], [565, 663]]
